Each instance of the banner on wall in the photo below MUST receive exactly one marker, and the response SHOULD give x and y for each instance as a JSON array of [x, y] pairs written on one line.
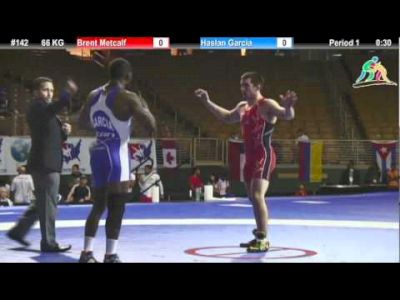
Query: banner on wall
[[76, 151], [142, 153], [14, 151], [3, 167]]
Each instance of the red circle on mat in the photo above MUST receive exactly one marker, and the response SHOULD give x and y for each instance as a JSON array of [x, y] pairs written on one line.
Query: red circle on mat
[[230, 255]]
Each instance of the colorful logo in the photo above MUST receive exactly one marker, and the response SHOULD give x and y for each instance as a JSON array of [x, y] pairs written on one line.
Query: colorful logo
[[71, 151], [373, 73], [140, 153]]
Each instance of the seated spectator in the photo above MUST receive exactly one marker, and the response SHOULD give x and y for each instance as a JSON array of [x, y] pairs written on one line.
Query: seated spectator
[[3, 102], [373, 174], [222, 187], [301, 136], [68, 181], [393, 178], [4, 198], [302, 191], [22, 187], [350, 176], [80, 192], [166, 132], [5, 182], [75, 175], [212, 180]]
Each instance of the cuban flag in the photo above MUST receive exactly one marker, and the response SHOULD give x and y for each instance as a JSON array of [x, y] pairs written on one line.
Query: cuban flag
[[236, 160], [310, 161], [385, 153], [169, 153]]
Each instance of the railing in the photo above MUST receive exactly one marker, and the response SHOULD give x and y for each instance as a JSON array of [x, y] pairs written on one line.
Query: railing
[[335, 152], [184, 147], [207, 151]]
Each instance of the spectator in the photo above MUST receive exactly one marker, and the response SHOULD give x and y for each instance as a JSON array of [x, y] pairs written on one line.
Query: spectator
[[68, 181], [3, 102], [166, 132], [132, 181], [147, 180], [80, 192], [373, 174], [75, 175], [302, 191], [195, 184], [301, 136], [236, 136], [222, 187], [212, 180], [393, 178], [350, 175], [4, 200], [22, 187], [7, 187]]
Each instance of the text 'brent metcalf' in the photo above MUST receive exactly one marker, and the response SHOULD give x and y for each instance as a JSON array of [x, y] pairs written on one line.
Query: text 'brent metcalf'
[[101, 42]]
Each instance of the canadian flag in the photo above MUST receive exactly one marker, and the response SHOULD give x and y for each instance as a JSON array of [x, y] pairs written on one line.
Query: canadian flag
[[169, 153]]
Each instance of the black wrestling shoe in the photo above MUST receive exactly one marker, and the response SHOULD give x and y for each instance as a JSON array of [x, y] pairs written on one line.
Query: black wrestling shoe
[[259, 246], [111, 259], [249, 243], [87, 257]]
